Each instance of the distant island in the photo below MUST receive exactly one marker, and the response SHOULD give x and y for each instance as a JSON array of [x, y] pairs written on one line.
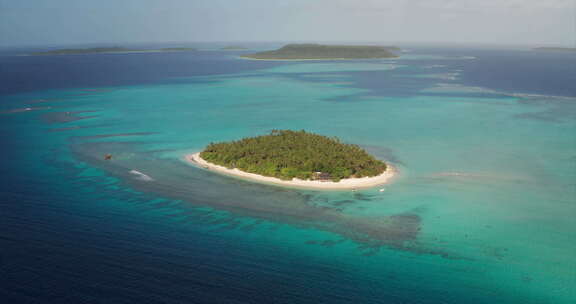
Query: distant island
[[555, 49], [295, 158], [233, 48], [325, 52], [176, 49], [108, 50]]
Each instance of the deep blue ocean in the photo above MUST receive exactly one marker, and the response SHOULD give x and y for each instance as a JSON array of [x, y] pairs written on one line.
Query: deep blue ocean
[[482, 211]]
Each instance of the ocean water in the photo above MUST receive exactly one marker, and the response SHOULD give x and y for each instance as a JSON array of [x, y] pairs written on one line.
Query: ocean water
[[481, 212]]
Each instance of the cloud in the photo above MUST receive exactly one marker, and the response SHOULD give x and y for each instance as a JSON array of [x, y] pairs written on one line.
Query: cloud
[[483, 21]]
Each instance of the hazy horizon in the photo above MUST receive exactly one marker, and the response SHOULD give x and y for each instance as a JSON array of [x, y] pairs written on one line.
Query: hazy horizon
[[280, 42], [507, 22]]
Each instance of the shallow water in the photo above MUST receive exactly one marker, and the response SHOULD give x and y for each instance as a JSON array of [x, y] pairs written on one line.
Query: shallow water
[[480, 213]]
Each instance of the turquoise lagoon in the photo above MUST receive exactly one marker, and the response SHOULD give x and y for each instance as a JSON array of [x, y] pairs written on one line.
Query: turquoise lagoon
[[482, 210]]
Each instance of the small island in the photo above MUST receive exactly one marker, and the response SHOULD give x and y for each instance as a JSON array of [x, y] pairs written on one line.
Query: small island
[[176, 49], [109, 50], [234, 48], [325, 52], [295, 158]]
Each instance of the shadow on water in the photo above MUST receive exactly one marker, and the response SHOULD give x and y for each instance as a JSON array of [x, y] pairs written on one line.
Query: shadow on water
[[77, 127], [63, 117], [175, 179], [548, 108], [23, 110], [384, 153]]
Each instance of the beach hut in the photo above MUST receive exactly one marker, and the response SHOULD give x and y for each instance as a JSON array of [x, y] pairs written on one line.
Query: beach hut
[[321, 176]]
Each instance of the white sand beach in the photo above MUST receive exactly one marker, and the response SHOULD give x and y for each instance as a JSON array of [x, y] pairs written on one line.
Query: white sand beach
[[344, 184], [312, 59], [302, 59]]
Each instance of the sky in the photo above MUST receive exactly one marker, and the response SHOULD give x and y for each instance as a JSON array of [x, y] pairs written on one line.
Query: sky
[[506, 22]]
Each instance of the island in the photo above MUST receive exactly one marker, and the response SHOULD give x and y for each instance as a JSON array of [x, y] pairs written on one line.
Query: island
[[176, 49], [295, 159], [325, 52], [555, 49], [233, 48], [109, 50]]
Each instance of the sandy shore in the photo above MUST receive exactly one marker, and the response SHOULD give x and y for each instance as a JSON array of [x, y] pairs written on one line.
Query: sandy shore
[[316, 59], [344, 184], [303, 59]]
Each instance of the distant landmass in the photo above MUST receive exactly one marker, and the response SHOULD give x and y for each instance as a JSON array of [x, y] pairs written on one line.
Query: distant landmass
[[319, 51], [555, 49], [107, 50], [177, 49], [233, 48]]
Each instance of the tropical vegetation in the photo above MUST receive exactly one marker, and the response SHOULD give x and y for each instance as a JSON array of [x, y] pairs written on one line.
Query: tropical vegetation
[[287, 154], [319, 51]]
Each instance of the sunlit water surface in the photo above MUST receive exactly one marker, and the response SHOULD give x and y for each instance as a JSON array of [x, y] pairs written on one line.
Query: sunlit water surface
[[481, 212]]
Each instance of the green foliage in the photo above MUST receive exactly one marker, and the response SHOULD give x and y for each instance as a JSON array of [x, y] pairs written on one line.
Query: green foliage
[[177, 49], [319, 51], [286, 154]]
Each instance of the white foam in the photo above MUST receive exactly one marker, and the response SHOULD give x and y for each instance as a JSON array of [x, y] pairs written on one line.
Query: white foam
[[432, 66], [141, 176]]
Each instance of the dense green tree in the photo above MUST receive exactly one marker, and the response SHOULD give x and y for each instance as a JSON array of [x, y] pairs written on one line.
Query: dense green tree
[[286, 154], [319, 51]]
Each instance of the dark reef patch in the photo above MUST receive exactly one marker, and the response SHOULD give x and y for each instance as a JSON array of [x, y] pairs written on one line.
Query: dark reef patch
[[117, 135], [63, 117], [395, 230], [21, 110], [199, 189], [342, 203], [362, 197], [549, 108]]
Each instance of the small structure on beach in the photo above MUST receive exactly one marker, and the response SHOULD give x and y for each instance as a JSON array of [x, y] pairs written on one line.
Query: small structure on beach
[[321, 176]]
